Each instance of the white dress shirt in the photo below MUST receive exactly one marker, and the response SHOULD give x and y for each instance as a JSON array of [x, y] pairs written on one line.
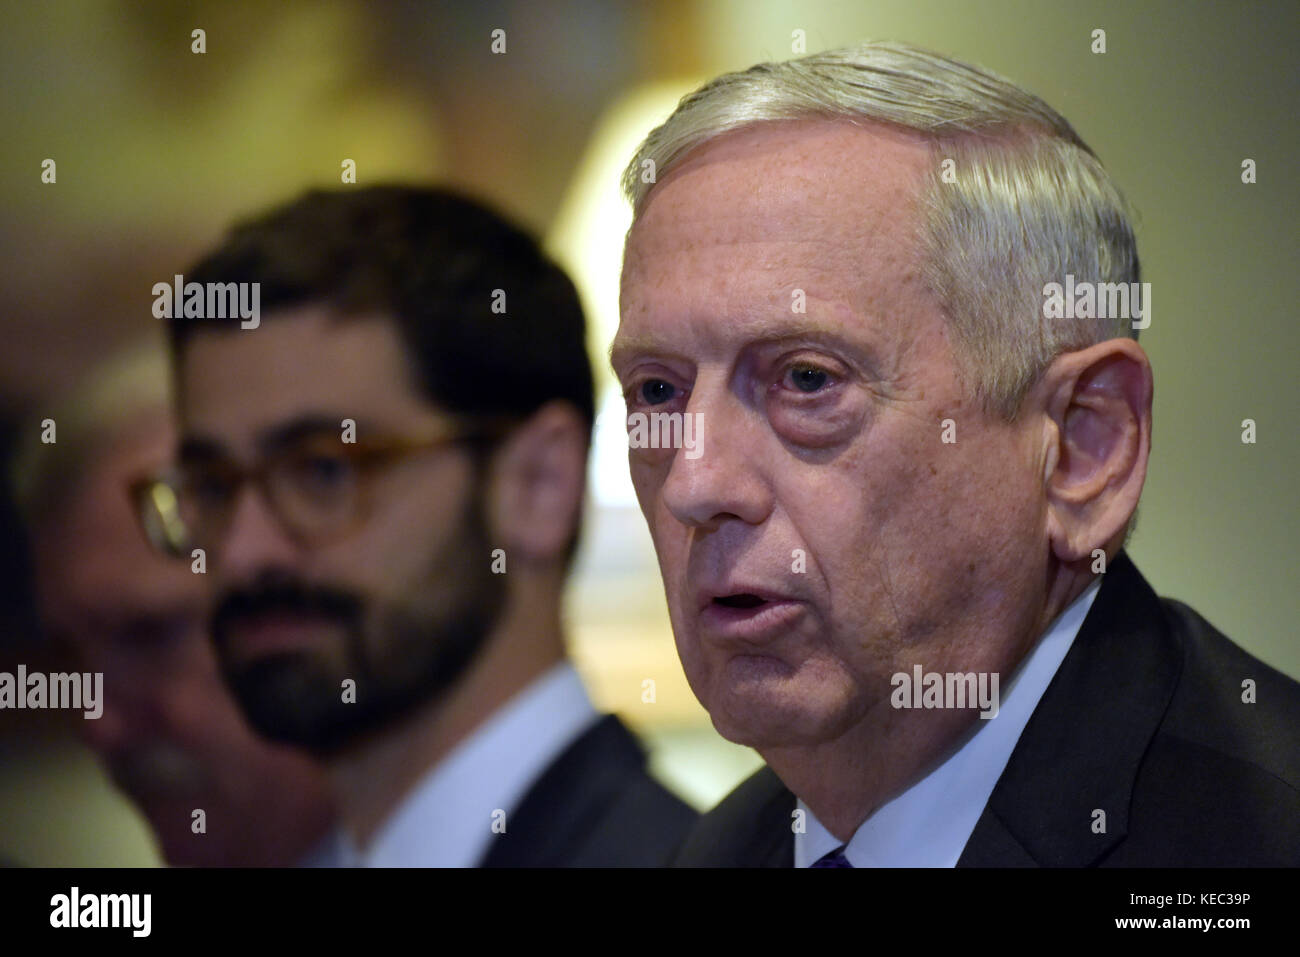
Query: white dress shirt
[[929, 824], [447, 819]]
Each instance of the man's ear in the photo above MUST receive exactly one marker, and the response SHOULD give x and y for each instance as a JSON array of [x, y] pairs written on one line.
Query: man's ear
[[537, 479], [1097, 407]]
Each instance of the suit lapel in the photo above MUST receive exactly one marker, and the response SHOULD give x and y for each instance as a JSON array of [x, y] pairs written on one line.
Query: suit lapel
[[777, 847], [751, 827], [553, 819], [1083, 745]]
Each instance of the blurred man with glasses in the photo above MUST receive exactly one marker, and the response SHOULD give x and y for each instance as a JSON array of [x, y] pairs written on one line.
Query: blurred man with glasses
[[384, 481]]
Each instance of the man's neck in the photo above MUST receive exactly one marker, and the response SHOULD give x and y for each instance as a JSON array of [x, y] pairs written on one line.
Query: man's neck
[[372, 780], [845, 780]]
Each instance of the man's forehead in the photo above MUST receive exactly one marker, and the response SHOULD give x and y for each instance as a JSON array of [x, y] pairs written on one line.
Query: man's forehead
[[722, 326], [792, 224], [790, 180], [303, 362]]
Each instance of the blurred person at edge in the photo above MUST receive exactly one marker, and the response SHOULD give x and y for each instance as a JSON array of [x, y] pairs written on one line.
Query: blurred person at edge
[[171, 735], [386, 469]]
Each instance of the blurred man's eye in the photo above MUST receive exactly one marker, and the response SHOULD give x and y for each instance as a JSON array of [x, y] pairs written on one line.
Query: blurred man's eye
[[321, 471]]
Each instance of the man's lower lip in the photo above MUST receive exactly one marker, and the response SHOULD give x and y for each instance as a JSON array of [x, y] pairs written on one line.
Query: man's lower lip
[[758, 623]]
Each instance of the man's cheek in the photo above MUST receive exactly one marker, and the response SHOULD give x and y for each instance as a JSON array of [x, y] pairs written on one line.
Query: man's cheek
[[646, 485], [663, 525]]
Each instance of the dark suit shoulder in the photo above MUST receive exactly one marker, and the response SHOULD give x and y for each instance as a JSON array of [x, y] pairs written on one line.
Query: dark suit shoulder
[[1141, 752], [751, 827], [595, 805], [1257, 724], [1220, 784]]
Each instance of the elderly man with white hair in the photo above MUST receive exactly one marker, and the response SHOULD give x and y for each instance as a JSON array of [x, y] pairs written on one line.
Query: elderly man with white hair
[[896, 569], [213, 792]]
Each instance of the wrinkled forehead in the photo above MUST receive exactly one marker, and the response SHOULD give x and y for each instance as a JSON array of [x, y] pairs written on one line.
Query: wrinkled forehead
[[826, 207], [792, 180]]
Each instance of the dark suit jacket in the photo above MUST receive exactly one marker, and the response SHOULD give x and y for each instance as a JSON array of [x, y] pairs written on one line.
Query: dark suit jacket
[[594, 806], [1144, 720]]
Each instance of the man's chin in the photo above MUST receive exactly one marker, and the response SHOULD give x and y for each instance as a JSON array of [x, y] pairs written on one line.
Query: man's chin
[[288, 699], [161, 775], [761, 722], [760, 732], [768, 704]]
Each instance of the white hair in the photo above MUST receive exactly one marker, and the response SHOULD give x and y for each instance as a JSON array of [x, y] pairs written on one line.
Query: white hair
[[1026, 201], [131, 382]]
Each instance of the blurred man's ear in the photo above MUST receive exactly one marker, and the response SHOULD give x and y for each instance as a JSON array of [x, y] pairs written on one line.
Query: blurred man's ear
[[1096, 408], [536, 482]]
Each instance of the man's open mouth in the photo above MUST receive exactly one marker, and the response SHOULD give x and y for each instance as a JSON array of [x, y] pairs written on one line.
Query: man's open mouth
[[741, 600]]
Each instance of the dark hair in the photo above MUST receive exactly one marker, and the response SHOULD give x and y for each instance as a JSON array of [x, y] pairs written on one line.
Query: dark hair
[[434, 262]]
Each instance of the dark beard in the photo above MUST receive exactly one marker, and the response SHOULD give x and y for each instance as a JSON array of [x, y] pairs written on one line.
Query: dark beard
[[417, 654]]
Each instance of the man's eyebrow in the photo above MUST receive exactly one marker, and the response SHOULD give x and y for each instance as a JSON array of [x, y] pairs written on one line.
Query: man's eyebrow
[[759, 332], [624, 349], [820, 335], [304, 427], [200, 448]]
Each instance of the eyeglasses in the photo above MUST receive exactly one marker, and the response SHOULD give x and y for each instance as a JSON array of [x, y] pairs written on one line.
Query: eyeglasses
[[320, 488]]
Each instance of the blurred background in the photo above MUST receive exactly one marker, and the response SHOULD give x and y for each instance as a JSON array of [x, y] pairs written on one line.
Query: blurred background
[[159, 148]]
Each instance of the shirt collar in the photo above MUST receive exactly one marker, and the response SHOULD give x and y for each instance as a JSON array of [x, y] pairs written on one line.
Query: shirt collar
[[447, 819], [929, 824]]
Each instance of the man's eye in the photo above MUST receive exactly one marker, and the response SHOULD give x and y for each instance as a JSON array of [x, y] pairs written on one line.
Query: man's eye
[[657, 391], [808, 378], [322, 471]]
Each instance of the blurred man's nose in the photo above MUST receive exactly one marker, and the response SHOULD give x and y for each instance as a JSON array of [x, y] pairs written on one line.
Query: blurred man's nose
[[255, 541], [722, 478]]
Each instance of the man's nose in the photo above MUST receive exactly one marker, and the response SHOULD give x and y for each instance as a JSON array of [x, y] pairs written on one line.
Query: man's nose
[[255, 540], [724, 477]]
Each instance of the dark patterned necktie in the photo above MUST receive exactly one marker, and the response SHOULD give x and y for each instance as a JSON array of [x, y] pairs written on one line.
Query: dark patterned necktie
[[835, 858]]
